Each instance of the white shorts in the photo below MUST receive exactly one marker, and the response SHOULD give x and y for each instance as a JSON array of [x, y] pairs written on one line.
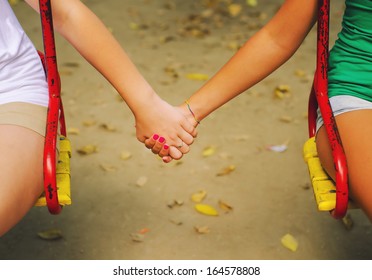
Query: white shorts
[[342, 104]]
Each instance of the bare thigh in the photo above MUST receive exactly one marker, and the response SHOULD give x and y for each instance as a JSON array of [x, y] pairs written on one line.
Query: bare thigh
[[21, 173], [356, 134]]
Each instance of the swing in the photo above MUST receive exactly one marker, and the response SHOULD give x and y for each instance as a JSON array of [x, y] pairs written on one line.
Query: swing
[[329, 195], [56, 172]]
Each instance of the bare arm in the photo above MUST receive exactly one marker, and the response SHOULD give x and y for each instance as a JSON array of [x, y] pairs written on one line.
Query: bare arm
[[263, 53], [90, 37], [86, 32]]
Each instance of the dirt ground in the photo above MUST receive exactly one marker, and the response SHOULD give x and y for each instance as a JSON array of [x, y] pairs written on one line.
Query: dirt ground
[[128, 204]]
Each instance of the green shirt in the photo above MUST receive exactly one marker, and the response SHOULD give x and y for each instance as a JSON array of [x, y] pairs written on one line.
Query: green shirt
[[350, 62]]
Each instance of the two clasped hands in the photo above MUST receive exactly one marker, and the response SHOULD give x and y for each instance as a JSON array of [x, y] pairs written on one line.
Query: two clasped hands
[[175, 131]]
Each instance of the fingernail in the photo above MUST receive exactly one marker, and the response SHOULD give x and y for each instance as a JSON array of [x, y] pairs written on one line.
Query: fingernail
[[161, 139], [166, 147], [155, 137]]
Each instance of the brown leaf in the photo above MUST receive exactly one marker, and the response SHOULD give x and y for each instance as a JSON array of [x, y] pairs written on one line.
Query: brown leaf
[[227, 170], [224, 206], [202, 230], [108, 127]]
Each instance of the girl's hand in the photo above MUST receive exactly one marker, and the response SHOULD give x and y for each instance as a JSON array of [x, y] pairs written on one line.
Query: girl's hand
[[174, 133]]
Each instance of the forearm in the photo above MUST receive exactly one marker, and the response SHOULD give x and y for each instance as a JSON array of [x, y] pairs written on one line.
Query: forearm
[[88, 35], [262, 54]]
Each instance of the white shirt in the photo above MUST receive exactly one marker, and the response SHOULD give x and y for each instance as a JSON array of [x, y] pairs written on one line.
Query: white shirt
[[22, 77]]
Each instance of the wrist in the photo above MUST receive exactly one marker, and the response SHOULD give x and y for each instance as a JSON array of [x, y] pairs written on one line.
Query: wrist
[[189, 113]]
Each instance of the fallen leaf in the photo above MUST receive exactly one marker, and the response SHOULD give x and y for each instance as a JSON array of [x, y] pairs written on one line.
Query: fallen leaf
[[176, 222], [347, 222], [175, 202], [70, 64], [141, 181], [137, 237], [251, 3], [300, 73], [108, 168], [206, 209], [125, 155], [202, 230], [224, 206], [50, 234], [289, 242], [227, 170], [199, 196], [108, 127], [197, 76], [89, 123], [286, 119], [143, 230], [234, 9], [87, 150], [209, 151], [278, 148], [73, 131], [282, 91]]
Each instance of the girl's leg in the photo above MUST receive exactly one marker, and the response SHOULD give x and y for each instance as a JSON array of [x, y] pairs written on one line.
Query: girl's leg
[[21, 173], [356, 133]]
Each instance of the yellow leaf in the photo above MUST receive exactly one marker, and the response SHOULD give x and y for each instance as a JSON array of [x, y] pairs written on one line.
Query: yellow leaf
[[209, 151], [226, 170], [289, 242], [199, 196], [282, 91], [234, 9], [89, 123], [87, 150], [73, 130], [125, 155], [252, 3], [134, 26], [51, 234], [206, 209], [197, 76]]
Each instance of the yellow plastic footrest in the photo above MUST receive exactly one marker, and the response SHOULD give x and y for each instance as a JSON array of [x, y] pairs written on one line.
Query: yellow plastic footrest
[[63, 176], [323, 186]]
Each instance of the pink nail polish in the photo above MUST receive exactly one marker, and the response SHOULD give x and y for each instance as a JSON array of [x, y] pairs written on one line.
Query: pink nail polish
[[161, 139], [166, 147], [155, 137]]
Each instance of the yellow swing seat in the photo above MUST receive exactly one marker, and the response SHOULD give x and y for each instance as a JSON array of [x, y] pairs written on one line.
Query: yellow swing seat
[[63, 175]]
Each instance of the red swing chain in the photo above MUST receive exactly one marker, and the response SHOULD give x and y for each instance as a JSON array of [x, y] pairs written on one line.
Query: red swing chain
[[55, 116], [319, 97]]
